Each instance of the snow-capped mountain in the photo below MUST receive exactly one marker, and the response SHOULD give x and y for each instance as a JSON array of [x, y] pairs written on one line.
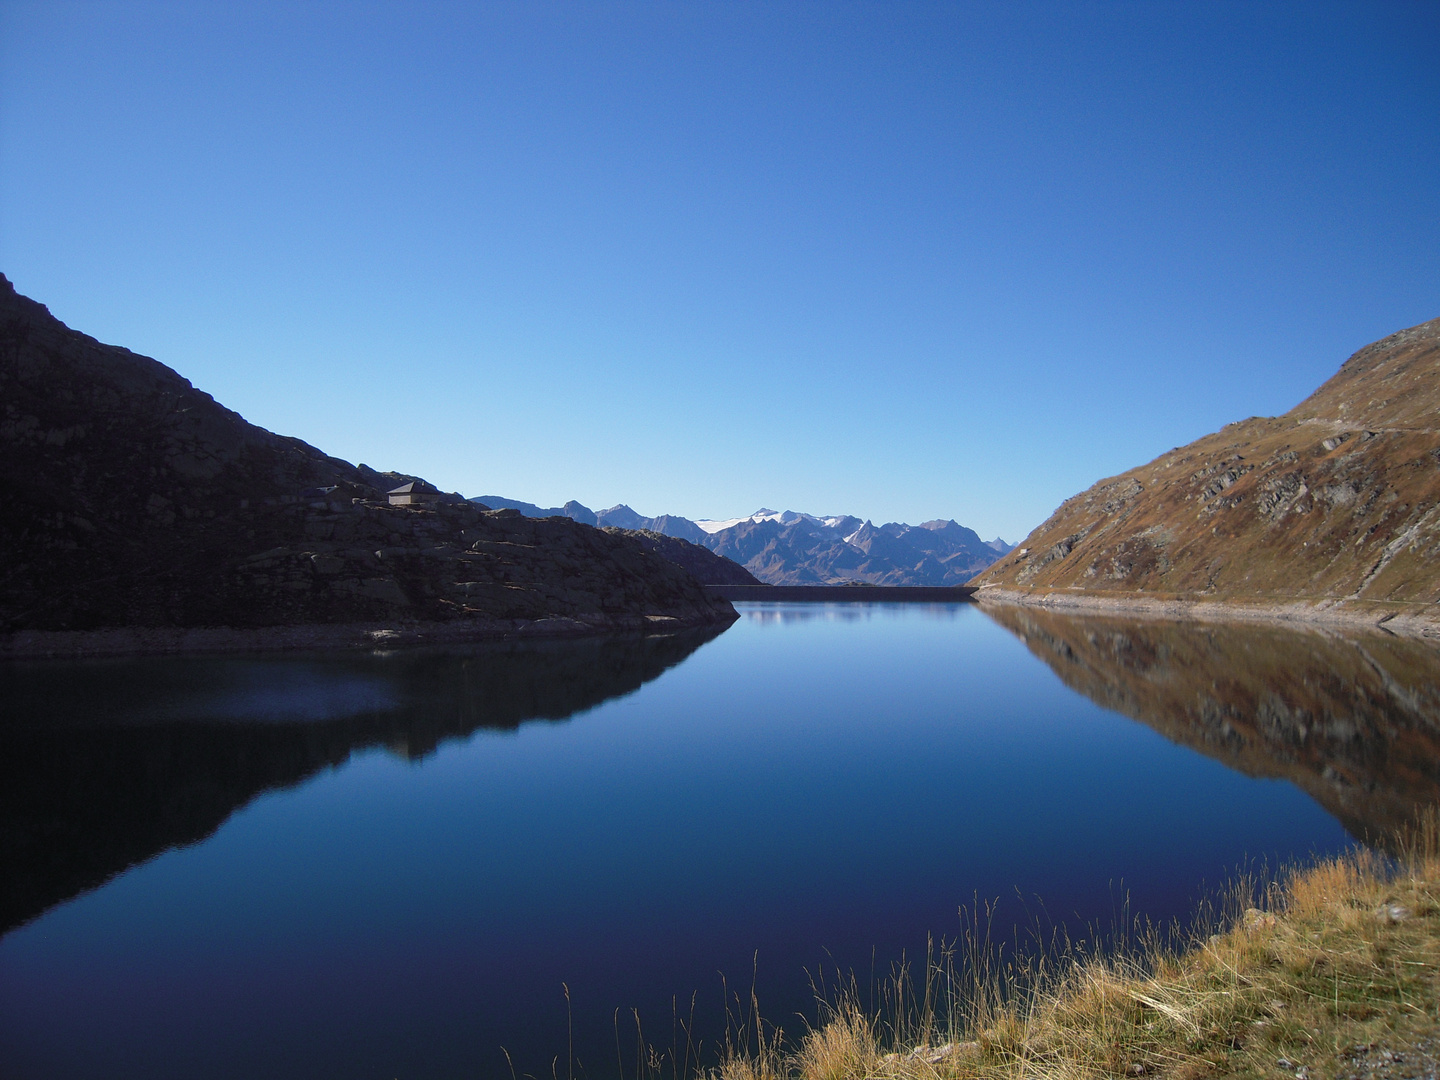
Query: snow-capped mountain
[[784, 547]]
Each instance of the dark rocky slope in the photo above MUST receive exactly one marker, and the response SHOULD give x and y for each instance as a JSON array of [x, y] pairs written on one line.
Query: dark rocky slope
[[701, 563], [1353, 719], [571, 509], [135, 500], [1336, 504]]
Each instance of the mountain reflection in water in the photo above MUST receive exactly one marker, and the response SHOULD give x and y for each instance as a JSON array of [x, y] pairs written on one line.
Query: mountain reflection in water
[[1351, 718], [790, 612], [105, 765]]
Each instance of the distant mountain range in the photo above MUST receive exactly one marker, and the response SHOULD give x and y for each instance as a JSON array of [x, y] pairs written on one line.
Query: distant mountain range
[[790, 548]]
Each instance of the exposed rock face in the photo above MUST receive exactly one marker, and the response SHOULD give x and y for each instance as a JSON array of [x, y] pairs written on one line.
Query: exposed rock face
[[1351, 719], [1337, 500], [702, 564], [571, 509], [135, 500]]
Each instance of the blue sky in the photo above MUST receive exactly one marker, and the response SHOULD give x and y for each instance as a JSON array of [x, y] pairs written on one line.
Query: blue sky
[[899, 260]]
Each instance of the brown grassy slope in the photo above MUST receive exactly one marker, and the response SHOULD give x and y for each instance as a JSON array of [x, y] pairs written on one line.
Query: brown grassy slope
[[1334, 978], [1339, 499]]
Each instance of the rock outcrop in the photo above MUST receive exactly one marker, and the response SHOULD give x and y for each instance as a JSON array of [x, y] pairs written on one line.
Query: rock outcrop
[[1334, 506], [571, 509], [135, 500], [701, 563]]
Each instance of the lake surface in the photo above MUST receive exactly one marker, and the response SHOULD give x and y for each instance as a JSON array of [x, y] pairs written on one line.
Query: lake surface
[[393, 865]]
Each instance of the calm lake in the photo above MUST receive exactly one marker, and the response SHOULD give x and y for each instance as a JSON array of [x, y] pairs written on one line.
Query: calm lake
[[394, 865]]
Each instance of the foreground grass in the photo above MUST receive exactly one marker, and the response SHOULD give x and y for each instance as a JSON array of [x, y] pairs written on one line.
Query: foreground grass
[[1331, 973]]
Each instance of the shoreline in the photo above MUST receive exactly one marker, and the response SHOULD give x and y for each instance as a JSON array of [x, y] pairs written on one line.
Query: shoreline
[[930, 594], [1390, 617], [1327, 973], [123, 641]]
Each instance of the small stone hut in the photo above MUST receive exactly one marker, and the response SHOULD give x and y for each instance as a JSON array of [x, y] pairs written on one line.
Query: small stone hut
[[415, 493]]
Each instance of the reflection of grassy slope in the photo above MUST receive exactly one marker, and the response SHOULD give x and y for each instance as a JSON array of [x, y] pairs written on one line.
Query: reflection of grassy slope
[[1354, 721], [100, 768], [1338, 498], [1335, 976]]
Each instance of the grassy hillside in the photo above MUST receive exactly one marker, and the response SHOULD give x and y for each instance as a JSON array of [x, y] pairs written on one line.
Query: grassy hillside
[[1336, 501]]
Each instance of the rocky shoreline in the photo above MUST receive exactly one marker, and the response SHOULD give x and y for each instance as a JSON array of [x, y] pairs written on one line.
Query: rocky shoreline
[[1394, 617]]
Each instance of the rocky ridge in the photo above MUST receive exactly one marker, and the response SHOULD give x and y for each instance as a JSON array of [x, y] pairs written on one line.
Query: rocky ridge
[[789, 548], [1332, 509], [701, 563], [137, 501]]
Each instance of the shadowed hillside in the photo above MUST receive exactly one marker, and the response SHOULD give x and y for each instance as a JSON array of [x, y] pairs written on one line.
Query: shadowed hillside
[[135, 500], [1353, 720], [1337, 500]]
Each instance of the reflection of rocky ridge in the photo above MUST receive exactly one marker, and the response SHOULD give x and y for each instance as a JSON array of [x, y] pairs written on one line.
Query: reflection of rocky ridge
[[1352, 720], [104, 765]]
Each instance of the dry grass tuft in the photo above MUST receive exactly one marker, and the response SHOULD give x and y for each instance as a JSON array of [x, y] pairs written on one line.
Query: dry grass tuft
[[1339, 954]]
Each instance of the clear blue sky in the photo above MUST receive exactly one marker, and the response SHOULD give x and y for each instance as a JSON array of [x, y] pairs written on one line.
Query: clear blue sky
[[899, 260]]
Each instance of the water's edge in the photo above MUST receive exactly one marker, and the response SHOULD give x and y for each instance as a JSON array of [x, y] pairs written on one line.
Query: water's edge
[[201, 640], [1417, 620]]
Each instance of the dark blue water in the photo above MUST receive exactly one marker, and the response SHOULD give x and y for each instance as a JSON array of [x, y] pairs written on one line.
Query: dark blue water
[[819, 786]]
